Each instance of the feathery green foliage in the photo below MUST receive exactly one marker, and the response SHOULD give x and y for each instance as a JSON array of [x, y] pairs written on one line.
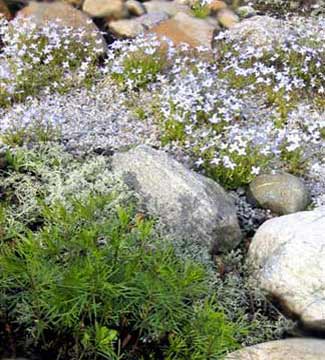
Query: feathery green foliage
[[106, 285], [84, 275]]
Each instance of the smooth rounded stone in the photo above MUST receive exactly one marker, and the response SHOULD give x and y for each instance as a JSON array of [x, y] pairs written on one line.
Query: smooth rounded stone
[[287, 256], [288, 349], [227, 18], [185, 2], [217, 5], [245, 12], [169, 7], [153, 19], [42, 13], [126, 28], [281, 193], [190, 205], [105, 8], [184, 28], [133, 27], [258, 31], [135, 7]]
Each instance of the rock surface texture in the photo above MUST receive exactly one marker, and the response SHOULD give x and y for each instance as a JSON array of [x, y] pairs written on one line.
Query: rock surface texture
[[281, 193], [290, 349], [105, 8], [171, 8], [184, 28], [188, 204], [135, 7], [288, 256], [227, 18], [132, 27], [257, 30]]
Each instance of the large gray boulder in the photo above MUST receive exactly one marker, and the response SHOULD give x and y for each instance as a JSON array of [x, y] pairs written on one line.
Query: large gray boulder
[[287, 255], [289, 349], [191, 206]]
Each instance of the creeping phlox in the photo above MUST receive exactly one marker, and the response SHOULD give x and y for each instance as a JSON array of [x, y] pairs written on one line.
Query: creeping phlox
[[235, 113], [51, 58], [293, 65], [252, 109], [138, 63], [201, 113]]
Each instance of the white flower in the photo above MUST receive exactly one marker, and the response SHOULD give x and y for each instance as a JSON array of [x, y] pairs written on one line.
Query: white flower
[[199, 162], [214, 119], [255, 170]]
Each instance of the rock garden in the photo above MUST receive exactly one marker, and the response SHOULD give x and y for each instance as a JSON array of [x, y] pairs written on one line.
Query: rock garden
[[162, 180]]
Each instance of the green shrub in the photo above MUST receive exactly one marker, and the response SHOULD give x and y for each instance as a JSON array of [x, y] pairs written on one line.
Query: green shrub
[[106, 285], [84, 275]]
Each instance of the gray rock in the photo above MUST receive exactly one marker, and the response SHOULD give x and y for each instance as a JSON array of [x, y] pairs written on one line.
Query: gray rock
[[227, 18], [245, 11], [171, 8], [289, 349], [281, 193], [188, 204], [135, 7], [133, 27], [152, 19], [287, 255], [258, 31], [105, 8], [183, 28], [126, 28]]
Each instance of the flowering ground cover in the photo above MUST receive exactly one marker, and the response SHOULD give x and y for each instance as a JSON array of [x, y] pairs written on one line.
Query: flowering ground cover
[[84, 273], [234, 114]]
